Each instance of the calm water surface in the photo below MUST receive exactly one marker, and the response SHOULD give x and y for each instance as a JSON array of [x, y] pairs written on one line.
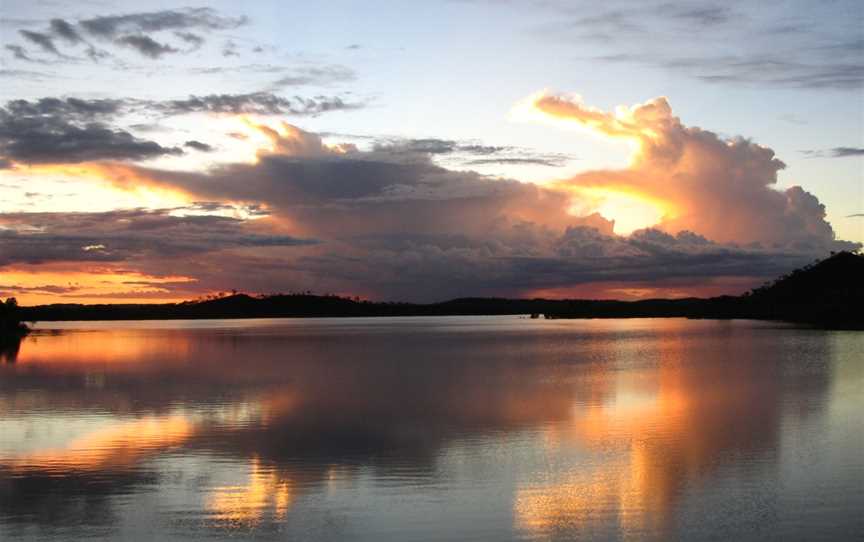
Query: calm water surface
[[462, 428]]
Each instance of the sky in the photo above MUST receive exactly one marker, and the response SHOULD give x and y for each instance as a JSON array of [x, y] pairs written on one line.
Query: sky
[[422, 151]]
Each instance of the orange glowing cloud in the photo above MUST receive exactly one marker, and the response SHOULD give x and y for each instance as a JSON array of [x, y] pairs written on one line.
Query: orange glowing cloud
[[721, 189]]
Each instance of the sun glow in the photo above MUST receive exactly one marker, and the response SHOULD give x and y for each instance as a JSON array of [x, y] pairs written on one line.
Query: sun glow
[[631, 211], [38, 284]]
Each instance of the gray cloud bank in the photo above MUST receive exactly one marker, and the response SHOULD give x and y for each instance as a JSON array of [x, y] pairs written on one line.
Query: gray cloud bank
[[73, 130], [144, 33]]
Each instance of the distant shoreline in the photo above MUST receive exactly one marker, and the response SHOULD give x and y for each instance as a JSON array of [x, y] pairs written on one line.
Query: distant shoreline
[[829, 293]]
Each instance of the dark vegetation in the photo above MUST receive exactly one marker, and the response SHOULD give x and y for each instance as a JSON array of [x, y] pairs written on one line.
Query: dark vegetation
[[12, 330], [829, 292]]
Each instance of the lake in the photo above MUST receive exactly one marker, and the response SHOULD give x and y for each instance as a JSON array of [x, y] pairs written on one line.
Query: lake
[[447, 428]]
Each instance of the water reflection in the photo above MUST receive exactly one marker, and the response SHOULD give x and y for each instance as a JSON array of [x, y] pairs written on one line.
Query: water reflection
[[694, 408], [605, 428], [9, 347]]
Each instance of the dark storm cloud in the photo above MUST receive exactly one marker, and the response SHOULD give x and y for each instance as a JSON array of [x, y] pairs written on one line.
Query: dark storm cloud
[[53, 139], [44, 41], [146, 46], [199, 146], [120, 236]]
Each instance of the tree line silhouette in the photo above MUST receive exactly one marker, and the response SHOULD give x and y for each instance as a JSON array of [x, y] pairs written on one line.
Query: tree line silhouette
[[828, 293], [12, 329]]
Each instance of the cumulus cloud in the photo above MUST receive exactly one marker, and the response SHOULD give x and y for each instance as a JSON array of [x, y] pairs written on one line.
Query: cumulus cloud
[[720, 188], [388, 217], [389, 221]]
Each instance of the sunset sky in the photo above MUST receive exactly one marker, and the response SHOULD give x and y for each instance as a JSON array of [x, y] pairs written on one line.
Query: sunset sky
[[423, 151]]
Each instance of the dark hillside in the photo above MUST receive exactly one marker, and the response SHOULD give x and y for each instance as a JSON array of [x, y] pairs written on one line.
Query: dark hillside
[[829, 293]]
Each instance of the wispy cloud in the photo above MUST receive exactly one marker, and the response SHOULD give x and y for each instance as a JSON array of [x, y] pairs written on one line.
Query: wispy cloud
[[779, 47], [836, 152], [145, 33]]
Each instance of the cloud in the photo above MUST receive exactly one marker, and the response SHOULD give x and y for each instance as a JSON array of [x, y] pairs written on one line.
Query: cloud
[[44, 41], [516, 162], [389, 219], [146, 46], [64, 30], [388, 216], [229, 48], [19, 53], [126, 236], [840, 152], [315, 75], [199, 146], [764, 69], [814, 47], [720, 188], [74, 109], [136, 31], [185, 19], [194, 40], [466, 153], [62, 135], [258, 103], [53, 116], [836, 152]]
